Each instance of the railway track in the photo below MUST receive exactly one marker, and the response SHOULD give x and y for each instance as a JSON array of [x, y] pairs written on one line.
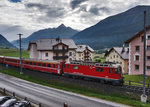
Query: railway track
[[87, 83]]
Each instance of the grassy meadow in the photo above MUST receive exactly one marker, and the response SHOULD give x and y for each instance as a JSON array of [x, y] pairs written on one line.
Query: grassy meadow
[[14, 53]]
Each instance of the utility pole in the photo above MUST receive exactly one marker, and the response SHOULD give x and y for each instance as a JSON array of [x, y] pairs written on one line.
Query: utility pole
[[20, 53], [143, 96]]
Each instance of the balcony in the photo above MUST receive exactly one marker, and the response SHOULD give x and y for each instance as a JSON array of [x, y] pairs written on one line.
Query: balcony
[[60, 50], [60, 57]]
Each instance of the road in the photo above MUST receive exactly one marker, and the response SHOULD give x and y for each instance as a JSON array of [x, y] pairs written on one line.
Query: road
[[51, 97]]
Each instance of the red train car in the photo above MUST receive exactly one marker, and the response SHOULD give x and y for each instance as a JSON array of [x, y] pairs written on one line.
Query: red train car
[[40, 65], [43, 65], [103, 71]]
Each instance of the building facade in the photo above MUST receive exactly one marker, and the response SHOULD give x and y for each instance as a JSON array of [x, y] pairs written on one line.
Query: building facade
[[59, 49], [84, 53], [52, 49], [120, 56], [136, 53]]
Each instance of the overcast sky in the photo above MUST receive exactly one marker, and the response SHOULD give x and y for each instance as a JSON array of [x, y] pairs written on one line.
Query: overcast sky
[[27, 16]]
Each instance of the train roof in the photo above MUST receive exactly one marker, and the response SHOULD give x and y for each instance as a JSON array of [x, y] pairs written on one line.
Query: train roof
[[48, 61], [92, 63]]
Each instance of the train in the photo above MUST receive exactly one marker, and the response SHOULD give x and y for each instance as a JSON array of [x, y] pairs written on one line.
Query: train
[[103, 72]]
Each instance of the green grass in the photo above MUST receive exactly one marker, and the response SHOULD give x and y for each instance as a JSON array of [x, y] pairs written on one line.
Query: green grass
[[14, 53], [99, 57], [136, 79], [127, 98]]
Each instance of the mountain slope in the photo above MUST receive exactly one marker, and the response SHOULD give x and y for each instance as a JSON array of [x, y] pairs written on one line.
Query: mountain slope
[[4, 43], [114, 30], [61, 31]]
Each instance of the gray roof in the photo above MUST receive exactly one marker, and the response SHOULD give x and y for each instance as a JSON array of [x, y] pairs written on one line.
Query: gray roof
[[47, 44], [124, 54], [81, 48]]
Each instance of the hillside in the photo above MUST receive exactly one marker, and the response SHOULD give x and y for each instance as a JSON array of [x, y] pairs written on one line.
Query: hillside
[[4, 43], [61, 31], [114, 30]]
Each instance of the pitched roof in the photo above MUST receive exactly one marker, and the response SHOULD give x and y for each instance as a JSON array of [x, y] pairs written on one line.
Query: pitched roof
[[136, 35], [81, 48], [123, 54], [47, 44]]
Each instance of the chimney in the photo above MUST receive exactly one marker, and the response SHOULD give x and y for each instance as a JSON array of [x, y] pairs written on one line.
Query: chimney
[[123, 49], [58, 39]]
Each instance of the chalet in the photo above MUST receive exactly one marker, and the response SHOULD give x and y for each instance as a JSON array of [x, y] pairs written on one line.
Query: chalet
[[53, 49], [136, 53], [84, 53], [120, 56], [59, 49]]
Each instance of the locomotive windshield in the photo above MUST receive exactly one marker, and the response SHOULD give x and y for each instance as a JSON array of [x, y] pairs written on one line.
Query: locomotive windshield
[[118, 70]]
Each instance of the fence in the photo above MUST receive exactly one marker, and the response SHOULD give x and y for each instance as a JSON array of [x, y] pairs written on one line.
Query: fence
[[139, 84]]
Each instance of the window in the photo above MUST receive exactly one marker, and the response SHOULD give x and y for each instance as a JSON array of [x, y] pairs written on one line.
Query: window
[[46, 54], [142, 38], [75, 67], [110, 70], [148, 47], [114, 56], [34, 63], [44, 64], [137, 48], [26, 62], [39, 64], [148, 68], [137, 58], [136, 67], [99, 69], [148, 58], [117, 70], [53, 65], [68, 66], [48, 65], [148, 37], [30, 63], [70, 53]]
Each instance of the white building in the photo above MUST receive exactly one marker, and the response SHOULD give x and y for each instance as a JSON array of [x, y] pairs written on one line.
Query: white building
[[59, 49]]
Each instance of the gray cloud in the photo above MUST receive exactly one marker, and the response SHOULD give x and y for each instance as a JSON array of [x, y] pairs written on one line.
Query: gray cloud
[[97, 10], [39, 6], [51, 11], [75, 3]]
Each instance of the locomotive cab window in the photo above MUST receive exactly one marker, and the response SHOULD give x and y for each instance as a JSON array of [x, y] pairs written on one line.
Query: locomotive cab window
[[99, 69], [53, 65], [75, 67], [118, 70]]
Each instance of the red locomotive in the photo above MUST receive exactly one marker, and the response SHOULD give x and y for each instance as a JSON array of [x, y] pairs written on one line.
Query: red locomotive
[[105, 72]]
